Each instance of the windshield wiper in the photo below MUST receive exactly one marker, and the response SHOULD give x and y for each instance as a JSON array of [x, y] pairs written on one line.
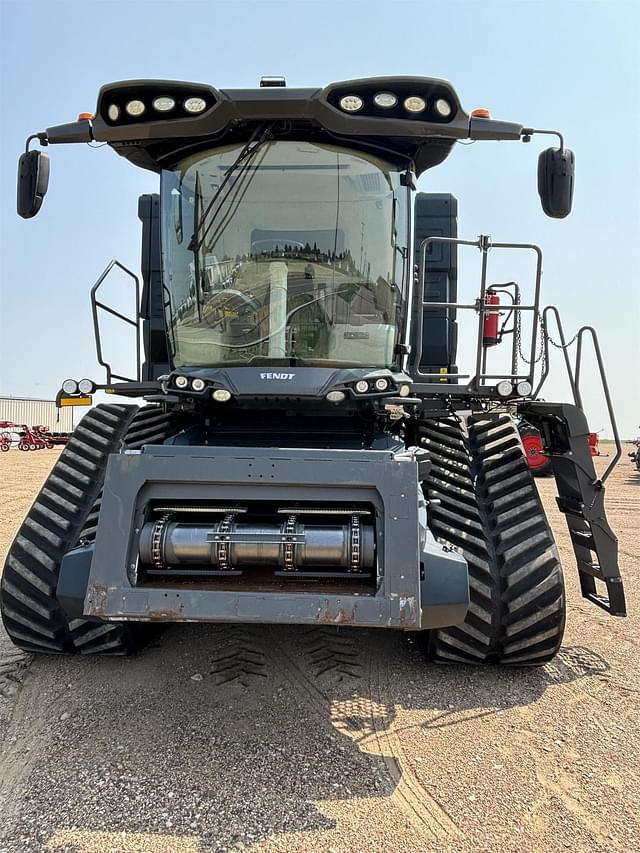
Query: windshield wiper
[[260, 135]]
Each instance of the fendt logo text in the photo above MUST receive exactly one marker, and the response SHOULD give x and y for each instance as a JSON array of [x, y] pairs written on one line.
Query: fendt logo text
[[277, 375]]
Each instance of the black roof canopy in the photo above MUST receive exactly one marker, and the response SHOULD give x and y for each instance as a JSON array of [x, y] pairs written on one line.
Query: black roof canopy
[[155, 140]]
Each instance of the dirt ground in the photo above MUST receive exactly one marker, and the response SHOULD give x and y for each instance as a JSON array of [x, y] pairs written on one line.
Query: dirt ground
[[292, 740]]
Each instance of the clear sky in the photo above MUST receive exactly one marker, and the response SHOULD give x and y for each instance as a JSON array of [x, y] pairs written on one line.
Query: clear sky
[[574, 66]]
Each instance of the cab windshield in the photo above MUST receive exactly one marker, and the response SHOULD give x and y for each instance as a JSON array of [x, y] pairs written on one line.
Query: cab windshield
[[296, 255]]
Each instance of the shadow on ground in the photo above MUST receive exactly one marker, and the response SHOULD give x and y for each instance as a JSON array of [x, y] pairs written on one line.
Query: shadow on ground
[[220, 736]]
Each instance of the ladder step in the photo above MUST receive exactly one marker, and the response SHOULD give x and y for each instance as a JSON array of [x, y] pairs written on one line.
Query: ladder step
[[583, 538], [614, 603], [592, 569], [571, 506]]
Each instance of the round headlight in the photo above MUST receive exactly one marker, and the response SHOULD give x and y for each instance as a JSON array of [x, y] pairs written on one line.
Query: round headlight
[[113, 112], [198, 384], [524, 388], [221, 395], [86, 386], [382, 384], [195, 105], [163, 104], [336, 396], [415, 104], [351, 103], [70, 386], [362, 386], [181, 381], [442, 107], [135, 108], [504, 388], [385, 99], [404, 390]]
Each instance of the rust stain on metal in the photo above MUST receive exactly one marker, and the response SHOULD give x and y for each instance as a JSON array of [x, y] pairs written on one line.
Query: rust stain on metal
[[98, 596], [343, 616], [408, 611], [165, 615]]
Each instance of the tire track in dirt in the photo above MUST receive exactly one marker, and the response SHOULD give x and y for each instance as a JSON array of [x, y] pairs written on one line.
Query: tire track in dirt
[[332, 672]]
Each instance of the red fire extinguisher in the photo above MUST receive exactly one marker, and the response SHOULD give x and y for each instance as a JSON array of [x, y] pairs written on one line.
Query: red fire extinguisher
[[491, 319]]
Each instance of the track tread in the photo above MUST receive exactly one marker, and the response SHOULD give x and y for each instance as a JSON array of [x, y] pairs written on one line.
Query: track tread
[[67, 503], [490, 509]]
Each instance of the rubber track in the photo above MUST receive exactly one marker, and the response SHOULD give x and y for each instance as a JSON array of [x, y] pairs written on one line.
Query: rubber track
[[486, 504], [58, 518]]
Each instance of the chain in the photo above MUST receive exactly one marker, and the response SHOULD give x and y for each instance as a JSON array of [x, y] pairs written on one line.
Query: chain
[[288, 549], [541, 357], [223, 550], [157, 541], [355, 544]]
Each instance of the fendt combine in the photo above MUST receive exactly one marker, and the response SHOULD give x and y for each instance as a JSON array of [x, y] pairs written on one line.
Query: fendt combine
[[308, 450]]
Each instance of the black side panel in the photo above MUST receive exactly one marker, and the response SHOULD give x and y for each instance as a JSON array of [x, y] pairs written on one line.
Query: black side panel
[[436, 215], [156, 356]]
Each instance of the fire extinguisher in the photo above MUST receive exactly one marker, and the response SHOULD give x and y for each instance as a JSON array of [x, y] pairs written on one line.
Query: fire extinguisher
[[491, 318]]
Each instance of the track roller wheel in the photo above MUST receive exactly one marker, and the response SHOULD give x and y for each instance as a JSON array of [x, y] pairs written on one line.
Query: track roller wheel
[[484, 502]]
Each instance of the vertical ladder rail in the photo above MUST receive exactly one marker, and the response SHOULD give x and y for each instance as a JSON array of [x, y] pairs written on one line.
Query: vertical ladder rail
[[605, 387]]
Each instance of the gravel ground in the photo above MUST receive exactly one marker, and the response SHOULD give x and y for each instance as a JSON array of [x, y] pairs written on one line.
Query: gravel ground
[[263, 739]]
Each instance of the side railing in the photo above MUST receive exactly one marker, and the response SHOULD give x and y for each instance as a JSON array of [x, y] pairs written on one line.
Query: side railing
[[574, 372], [97, 305], [480, 382]]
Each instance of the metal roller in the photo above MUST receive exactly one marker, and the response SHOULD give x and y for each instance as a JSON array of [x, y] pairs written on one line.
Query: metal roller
[[286, 545]]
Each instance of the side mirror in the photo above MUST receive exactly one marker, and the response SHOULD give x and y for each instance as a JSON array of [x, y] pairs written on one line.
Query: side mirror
[[556, 170], [33, 180]]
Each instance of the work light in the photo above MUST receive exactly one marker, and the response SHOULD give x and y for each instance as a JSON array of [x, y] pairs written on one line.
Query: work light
[[385, 99], [351, 103], [194, 105], [135, 108], [113, 112], [163, 104], [415, 104], [443, 107]]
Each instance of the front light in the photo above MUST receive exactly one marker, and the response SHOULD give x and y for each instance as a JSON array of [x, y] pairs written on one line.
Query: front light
[[382, 384], [351, 103], [524, 388], [163, 104], [404, 390], [362, 386], [442, 107], [504, 388], [70, 386], [86, 386], [221, 395], [385, 99], [198, 384], [415, 104], [336, 396], [181, 381], [135, 108], [195, 105], [113, 112]]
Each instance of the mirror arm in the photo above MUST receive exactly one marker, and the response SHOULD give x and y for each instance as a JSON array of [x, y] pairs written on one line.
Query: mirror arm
[[41, 137], [527, 133]]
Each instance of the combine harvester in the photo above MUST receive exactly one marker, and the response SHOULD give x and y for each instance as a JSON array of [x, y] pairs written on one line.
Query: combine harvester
[[308, 451]]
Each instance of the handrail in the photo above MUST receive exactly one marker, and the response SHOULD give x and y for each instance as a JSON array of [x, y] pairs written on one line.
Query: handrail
[[577, 399], [484, 244], [96, 304], [575, 372], [605, 388]]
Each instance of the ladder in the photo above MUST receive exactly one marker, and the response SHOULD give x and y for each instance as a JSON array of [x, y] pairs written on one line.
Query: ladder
[[564, 431]]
